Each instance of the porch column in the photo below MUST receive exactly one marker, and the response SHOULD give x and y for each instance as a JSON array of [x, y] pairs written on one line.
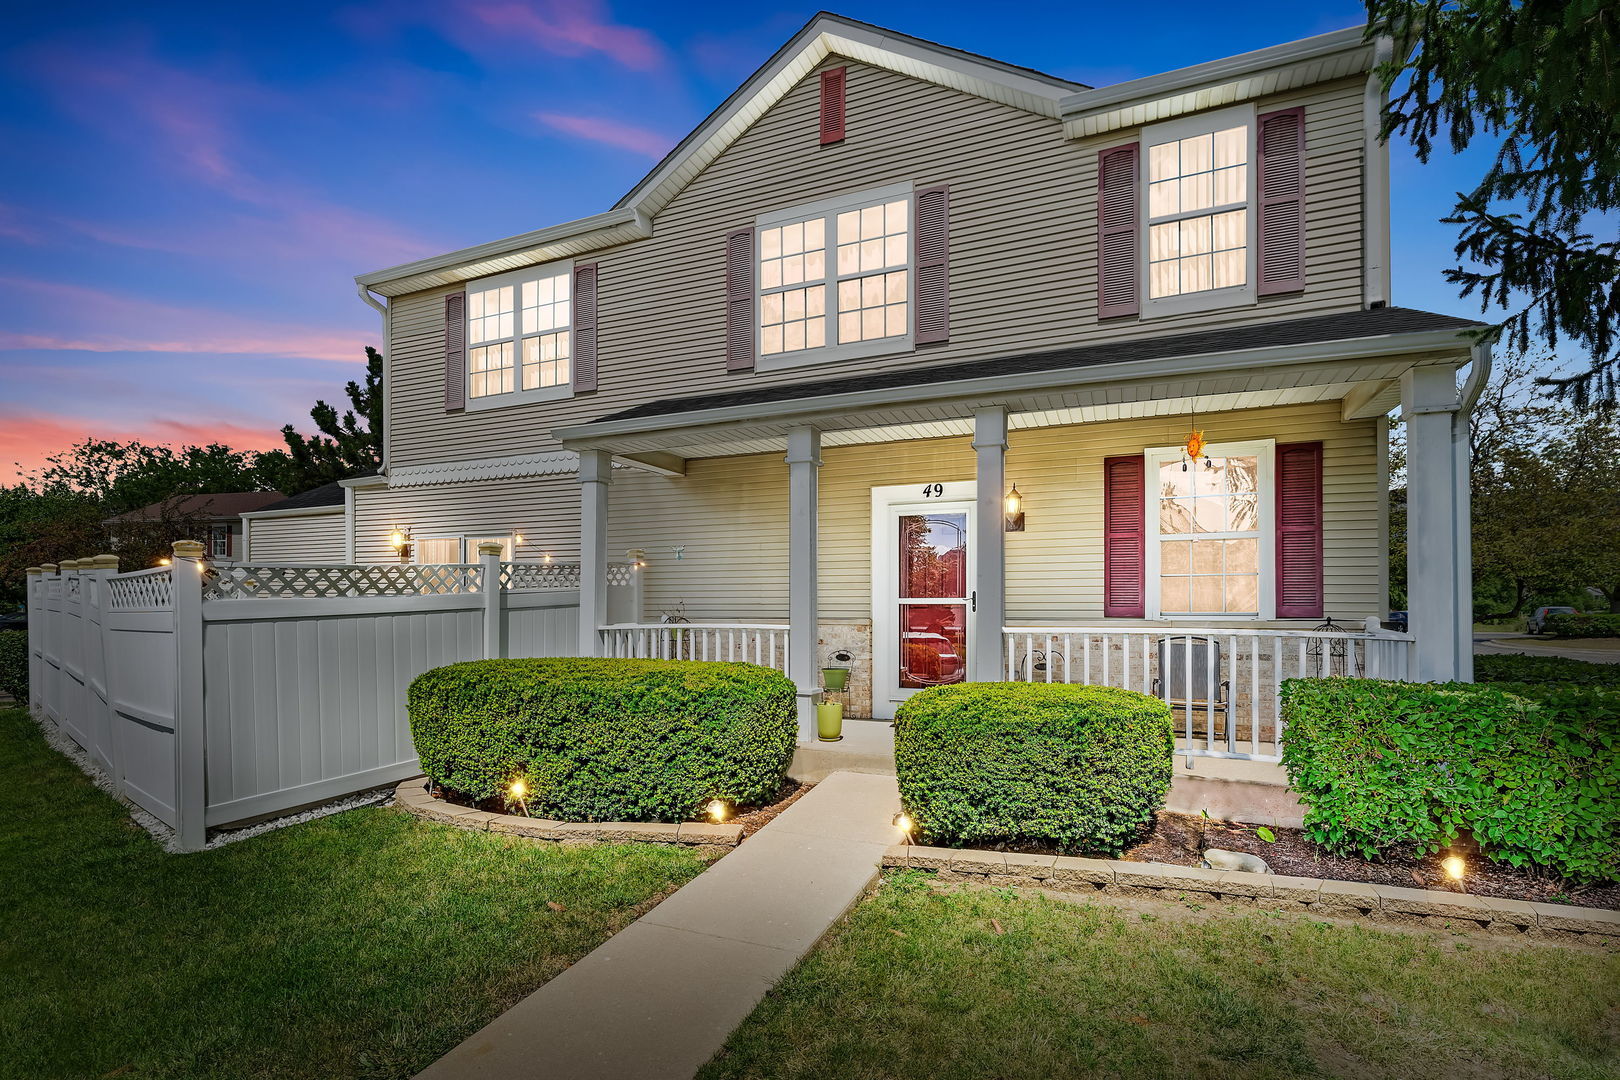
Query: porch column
[[1441, 612], [989, 575], [804, 632], [595, 474]]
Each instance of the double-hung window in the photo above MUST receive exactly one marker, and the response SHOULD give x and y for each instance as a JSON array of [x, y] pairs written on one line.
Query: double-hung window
[[1210, 532], [1199, 212], [834, 279], [520, 336]]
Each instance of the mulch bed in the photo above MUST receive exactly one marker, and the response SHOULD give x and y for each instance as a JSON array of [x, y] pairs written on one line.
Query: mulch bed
[[752, 819], [1175, 839]]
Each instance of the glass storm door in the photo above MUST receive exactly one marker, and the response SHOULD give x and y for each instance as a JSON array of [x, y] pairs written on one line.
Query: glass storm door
[[930, 601]]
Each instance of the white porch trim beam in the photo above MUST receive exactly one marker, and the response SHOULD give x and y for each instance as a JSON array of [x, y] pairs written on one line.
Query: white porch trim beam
[[655, 461], [1369, 399], [804, 464], [989, 573], [595, 476], [1441, 614]]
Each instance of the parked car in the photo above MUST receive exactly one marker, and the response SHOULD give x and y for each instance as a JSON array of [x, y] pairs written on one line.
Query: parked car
[[1396, 622], [1537, 622]]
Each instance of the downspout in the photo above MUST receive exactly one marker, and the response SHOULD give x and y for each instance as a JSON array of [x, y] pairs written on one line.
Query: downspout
[[1479, 374], [1375, 284], [382, 310]]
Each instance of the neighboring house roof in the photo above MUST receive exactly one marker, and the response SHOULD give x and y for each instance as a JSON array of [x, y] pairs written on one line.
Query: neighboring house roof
[[220, 506], [1344, 326], [315, 498]]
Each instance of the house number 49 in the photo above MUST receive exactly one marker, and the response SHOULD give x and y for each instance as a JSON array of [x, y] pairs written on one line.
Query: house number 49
[[933, 491]]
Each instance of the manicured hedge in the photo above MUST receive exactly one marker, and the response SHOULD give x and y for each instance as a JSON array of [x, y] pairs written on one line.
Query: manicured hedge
[[606, 740], [1545, 670], [1584, 626], [14, 664], [1533, 772], [1079, 766]]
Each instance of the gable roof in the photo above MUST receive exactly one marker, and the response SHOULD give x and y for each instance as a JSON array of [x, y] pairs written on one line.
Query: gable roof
[[631, 217], [218, 506], [315, 498], [1343, 326]]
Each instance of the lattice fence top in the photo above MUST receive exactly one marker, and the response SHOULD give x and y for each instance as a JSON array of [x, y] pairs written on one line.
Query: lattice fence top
[[389, 579], [620, 573], [524, 576], [145, 590]]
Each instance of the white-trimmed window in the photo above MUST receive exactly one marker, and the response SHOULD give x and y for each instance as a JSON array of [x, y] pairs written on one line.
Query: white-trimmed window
[[520, 336], [834, 279], [456, 549], [1210, 532], [1198, 210], [220, 541]]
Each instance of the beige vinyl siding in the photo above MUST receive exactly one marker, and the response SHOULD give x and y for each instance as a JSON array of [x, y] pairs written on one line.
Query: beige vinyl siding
[[1023, 273], [730, 515], [315, 538]]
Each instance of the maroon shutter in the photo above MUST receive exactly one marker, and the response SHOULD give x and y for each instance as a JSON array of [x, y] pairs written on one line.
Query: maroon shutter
[[455, 351], [1282, 201], [931, 220], [1118, 237], [584, 328], [1124, 538], [1299, 531], [832, 106], [740, 300]]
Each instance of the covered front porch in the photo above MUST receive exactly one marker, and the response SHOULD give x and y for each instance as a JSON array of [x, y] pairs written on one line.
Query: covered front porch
[[903, 559]]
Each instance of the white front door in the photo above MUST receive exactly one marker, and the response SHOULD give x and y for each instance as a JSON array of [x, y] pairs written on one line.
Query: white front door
[[922, 599]]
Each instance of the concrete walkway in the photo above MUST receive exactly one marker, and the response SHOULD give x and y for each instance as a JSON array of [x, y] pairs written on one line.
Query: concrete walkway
[[658, 999]]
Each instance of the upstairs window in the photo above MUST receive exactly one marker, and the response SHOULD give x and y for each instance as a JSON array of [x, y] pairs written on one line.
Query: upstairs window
[[520, 336], [1199, 219], [834, 279]]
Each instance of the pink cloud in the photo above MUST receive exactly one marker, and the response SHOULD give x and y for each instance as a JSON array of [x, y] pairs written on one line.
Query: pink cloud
[[572, 28], [639, 140], [27, 439], [135, 324]]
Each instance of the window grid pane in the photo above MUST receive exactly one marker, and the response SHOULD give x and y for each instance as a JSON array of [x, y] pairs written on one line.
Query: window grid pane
[[869, 271], [546, 304], [793, 320], [1201, 573], [489, 370], [489, 314], [1209, 251], [546, 360]]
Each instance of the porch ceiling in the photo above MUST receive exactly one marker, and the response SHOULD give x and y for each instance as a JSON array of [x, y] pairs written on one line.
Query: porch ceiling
[[1154, 379]]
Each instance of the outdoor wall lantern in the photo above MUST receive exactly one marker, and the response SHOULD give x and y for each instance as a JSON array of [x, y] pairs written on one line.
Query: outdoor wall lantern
[[1015, 510], [400, 541]]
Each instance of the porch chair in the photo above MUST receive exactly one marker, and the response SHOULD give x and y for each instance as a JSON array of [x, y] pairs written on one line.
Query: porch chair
[[1205, 692]]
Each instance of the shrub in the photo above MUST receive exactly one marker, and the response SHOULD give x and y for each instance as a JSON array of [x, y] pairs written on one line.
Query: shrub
[[1533, 772], [1583, 626], [1079, 766], [14, 664], [1543, 670], [606, 740]]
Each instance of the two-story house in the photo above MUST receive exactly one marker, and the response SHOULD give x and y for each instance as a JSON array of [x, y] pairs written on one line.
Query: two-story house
[[908, 349]]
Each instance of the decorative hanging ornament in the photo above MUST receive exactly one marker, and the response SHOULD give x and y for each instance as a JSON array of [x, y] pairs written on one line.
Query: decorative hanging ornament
[[1193, 449]]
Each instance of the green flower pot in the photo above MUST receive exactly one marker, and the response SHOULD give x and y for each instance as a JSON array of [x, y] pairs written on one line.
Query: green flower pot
[[830, 722], [835, 678]]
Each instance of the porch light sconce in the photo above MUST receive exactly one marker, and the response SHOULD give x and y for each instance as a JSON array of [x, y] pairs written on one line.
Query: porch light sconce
[[1014, 510], [400, 541]]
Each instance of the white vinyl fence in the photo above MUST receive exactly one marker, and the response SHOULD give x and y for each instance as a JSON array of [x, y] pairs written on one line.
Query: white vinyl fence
[[1223, 685], [216, 695]]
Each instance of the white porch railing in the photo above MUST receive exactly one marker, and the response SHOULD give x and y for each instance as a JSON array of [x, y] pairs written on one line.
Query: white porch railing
[[1223, 684], [753, 643]]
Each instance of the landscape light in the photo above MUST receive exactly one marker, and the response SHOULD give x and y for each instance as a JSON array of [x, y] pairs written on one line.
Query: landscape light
[[1455, 866], [903, 822], [717, 810], [518, 789]]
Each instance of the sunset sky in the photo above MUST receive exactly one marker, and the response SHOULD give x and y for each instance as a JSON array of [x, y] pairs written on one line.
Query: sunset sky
[[187, 190]]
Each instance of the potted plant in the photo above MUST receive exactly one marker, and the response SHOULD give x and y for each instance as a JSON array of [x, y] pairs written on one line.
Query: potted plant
[[830, 721]]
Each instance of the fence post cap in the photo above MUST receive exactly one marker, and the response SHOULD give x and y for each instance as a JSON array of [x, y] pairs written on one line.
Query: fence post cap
[[105, 562], [47, 568], [67, 564], [36, 569], [188, 549], [490, 547]]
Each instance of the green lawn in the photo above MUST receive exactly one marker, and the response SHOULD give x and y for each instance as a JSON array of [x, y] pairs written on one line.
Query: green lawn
[[919, 983], [361, 945]]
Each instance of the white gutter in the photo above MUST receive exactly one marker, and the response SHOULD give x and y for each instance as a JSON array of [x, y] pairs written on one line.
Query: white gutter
[[1375, 285], [295, 511], [997, 387]]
